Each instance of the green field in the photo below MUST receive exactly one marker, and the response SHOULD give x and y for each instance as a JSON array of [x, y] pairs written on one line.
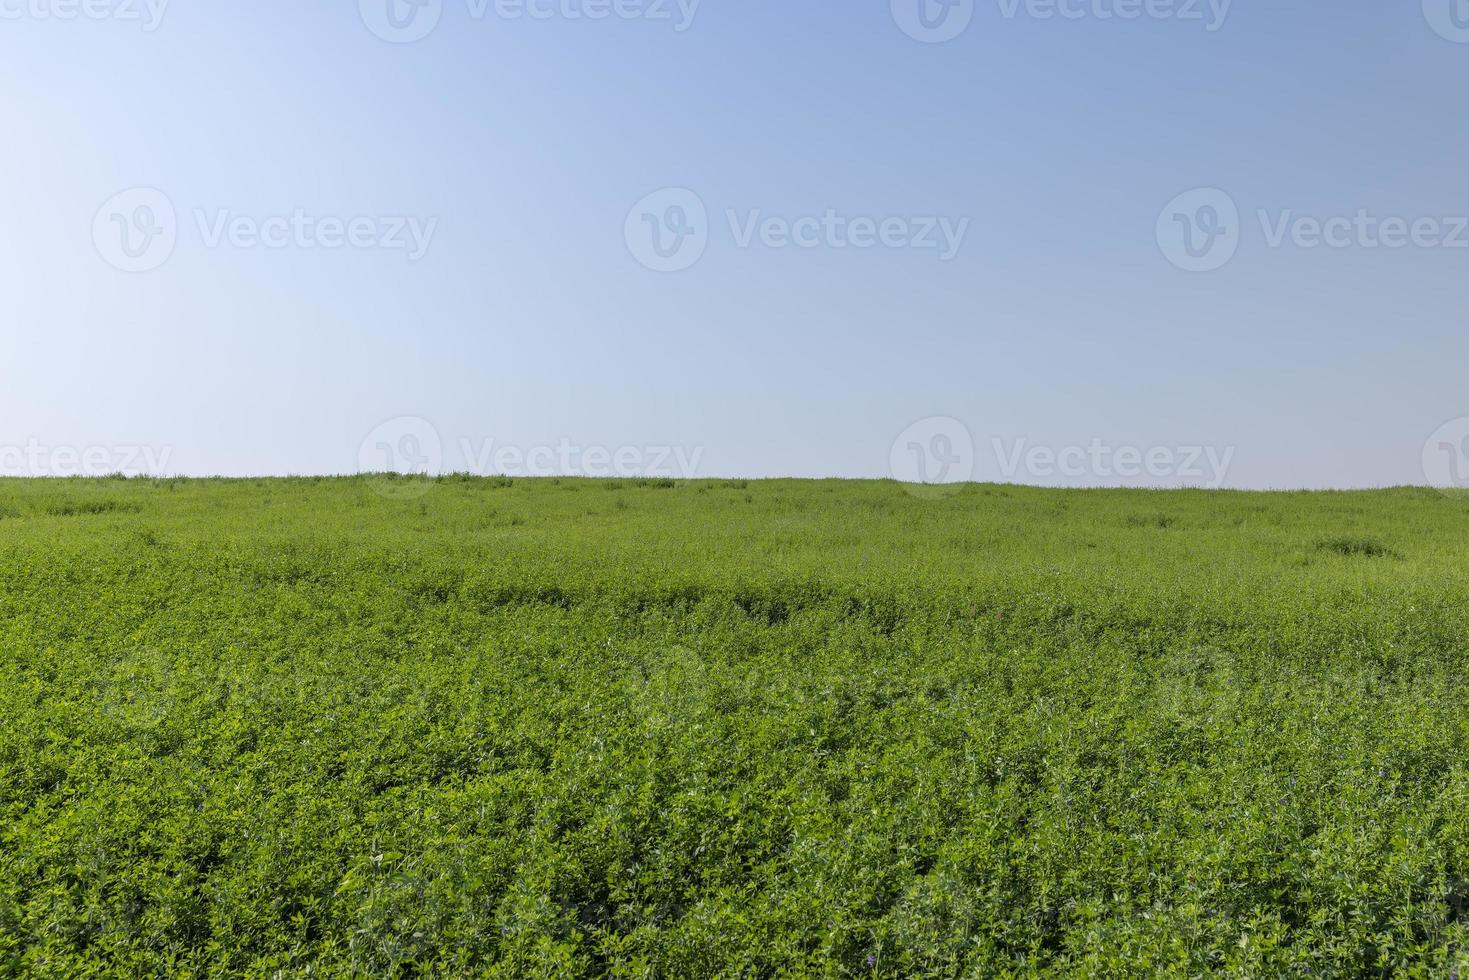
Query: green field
[[645, 729]]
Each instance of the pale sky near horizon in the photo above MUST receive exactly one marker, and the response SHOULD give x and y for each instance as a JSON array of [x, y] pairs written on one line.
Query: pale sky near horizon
[[1069, 242]]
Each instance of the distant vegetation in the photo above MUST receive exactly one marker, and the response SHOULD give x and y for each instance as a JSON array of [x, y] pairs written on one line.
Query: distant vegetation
[[742, 729]]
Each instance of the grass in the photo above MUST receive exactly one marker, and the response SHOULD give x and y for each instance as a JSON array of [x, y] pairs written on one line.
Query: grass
[[633, 729]]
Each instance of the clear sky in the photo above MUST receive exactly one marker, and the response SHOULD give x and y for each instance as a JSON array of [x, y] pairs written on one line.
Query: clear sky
[[779, 238]]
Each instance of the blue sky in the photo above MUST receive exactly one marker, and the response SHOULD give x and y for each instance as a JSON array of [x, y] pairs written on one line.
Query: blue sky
[[371, 237]]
